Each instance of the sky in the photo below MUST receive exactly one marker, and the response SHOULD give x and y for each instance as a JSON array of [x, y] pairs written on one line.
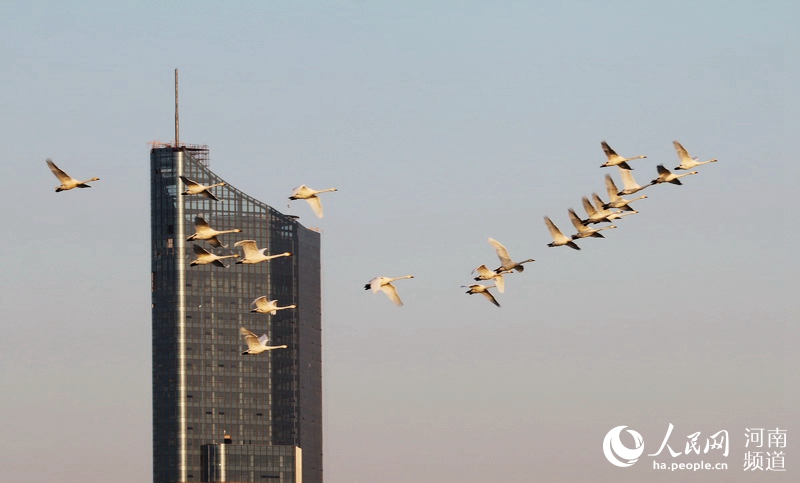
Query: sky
[[441, 124]]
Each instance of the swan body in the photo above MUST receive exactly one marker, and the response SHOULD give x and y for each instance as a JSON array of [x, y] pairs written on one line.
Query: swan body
[[615, 200], [303, 192], [615, 159], [483, 290], [507, 264], [204, 257], [263, 306], [195, 188], [559, 239], [485, 274], [203, 231], [630, 184], [384, 284], [583, 230], [67, 181], [253, 255], [688, 162], [257, 345], [667, 176], [596, 215]]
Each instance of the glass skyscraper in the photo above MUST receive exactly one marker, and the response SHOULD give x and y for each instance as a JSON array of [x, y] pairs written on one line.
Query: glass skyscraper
[[219, 415]]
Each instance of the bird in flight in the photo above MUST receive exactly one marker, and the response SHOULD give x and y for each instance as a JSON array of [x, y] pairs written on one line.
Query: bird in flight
[[67, 181]]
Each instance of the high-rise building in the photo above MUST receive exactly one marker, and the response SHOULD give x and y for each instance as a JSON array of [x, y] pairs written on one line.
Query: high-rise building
[[219, 415]]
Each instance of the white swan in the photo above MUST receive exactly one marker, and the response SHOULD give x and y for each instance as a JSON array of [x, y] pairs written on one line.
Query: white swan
[[203, 231], [688, 162], [257, 345], [615, 200], [195, 188], [596, 215], [303, 192], [483, 290], [485, 274], [264, 306], [253, 255], [667, 176], [205, 257], [583, 230], [615, 159], [384, 284], [507, 264], [559, 239], [67, 181], [630, 184]]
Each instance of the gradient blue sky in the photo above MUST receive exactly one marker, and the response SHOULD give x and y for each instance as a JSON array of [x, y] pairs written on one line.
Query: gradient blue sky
[[442, 124]]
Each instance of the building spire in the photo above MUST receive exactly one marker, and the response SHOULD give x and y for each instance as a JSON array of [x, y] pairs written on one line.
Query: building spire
[[177, 136]]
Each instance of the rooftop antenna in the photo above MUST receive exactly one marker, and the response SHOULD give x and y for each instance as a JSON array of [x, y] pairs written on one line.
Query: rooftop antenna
[[177, 137]]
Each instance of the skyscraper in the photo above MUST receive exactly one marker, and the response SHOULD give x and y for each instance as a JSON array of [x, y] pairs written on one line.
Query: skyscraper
[[219, 415]]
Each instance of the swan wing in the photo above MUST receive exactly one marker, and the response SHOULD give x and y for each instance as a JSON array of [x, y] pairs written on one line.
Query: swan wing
[[260, 302], [500, 283], [502, 253], [249, 247], [610, 153], [316, 205], [628, 182], [189, 182], [391, 292], [587, 205], [554, 231], [200, 224], [214, 241], [198, 250], [263, 339], [490, 297], [209, 194], [483, 271], [611, 188], [662, 170], [61, 175], [250, 338], [576, 222], [298, 191], [683, 155]]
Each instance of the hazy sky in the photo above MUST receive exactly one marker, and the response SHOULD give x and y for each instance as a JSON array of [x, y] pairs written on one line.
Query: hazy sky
[[442, 124]]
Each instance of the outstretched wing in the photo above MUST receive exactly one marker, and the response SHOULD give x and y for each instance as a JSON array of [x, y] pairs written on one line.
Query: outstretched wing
[[683, 155], [489, 296], [391, 292], [250, 338], [587, 205], [61, 175], [260, 302], [208, 194], [200, 223], [611, 188], [316, 205], [610, 153], [662, 170], [188, 182], [249, 247], [502, 253], [553, 229], [198, 250]]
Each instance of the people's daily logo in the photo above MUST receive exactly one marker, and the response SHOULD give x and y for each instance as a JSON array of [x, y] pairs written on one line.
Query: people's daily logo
[[619, 454]]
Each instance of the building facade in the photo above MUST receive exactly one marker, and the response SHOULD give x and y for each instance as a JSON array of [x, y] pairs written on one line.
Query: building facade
[[219, 415]]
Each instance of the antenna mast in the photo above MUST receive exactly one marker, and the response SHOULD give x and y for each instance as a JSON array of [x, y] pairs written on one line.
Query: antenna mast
[[177, 137]]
